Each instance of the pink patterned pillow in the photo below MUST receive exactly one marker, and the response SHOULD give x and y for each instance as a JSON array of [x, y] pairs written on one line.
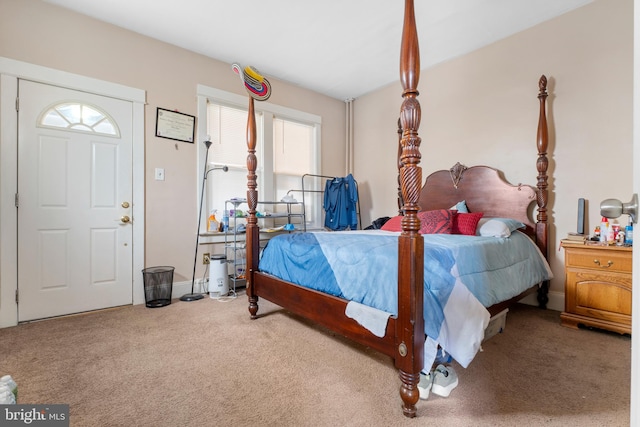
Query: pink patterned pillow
[[466, 223], [437, 221]]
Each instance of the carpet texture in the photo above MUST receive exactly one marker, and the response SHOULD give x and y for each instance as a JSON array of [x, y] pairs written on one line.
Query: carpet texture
[[205, 363]]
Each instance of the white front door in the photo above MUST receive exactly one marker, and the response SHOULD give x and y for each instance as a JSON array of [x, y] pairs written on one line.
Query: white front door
[[74, 201]]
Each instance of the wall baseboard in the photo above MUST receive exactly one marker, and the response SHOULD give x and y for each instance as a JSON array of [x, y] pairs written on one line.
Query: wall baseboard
[[181, 288]]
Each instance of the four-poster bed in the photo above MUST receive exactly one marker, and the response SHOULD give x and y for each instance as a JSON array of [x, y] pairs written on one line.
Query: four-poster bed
[[483, 189]]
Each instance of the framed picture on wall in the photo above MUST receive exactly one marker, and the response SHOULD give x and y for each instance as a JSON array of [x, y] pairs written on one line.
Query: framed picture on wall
[[175, 125]]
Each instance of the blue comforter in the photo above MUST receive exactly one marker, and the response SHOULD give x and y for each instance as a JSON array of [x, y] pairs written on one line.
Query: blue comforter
[[463, 274]]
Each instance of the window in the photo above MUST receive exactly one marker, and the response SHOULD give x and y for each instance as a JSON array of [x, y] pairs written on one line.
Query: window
[[287, 147], [78, 117], [226, 128], [292, 158]]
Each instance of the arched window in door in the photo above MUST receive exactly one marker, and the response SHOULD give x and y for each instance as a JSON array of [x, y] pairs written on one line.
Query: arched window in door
[[78, 116]]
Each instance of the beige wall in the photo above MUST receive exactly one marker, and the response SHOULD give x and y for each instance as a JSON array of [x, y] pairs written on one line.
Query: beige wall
[[481, 109], [42, 34]]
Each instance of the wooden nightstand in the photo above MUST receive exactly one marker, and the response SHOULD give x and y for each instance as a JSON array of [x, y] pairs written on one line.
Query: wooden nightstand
[[598, 287]]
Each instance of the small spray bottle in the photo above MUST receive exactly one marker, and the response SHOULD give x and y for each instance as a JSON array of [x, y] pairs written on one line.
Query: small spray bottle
[[604, 229], [212, 223], [628, 233]]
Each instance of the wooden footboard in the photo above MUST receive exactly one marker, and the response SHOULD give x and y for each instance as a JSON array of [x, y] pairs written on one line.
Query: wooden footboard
[[323, 309]]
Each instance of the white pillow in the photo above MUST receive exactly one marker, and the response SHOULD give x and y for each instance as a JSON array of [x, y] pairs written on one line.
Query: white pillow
[[497, 227]]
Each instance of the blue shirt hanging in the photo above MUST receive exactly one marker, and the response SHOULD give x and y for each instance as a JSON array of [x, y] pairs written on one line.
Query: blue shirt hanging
[[340, 201]]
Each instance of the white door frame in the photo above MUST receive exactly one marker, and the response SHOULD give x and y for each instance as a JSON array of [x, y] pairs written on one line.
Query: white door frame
[[10, 71], [635, 307]]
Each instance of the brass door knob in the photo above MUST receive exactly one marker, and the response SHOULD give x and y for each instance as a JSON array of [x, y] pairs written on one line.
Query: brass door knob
[[125, 219]]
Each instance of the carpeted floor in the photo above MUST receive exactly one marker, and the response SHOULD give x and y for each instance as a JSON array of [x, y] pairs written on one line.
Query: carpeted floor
[[206, 363]]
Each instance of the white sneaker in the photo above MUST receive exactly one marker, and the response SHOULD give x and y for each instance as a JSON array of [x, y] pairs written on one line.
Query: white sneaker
[[425, 385], [445, 379]]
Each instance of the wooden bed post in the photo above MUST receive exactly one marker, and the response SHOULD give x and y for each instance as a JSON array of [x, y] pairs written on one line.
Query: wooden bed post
[[400, 200], [410, 325], [253, 231], [542, 164], [258, 88]]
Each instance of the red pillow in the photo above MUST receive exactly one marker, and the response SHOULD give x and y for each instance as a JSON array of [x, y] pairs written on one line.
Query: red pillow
[[393, 224], [466, 223], [437, 221]]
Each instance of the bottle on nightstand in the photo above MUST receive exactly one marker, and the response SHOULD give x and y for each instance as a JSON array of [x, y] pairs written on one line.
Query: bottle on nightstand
[[604, 229], [611, 235], [628, 233]]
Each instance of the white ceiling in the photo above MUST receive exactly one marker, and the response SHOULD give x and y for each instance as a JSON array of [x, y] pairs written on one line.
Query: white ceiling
[[342, 48]]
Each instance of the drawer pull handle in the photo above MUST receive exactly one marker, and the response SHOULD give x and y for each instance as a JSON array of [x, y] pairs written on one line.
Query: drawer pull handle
[[597, 262]]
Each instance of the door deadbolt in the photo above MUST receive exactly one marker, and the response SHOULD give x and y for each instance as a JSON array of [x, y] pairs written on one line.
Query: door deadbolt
[[125, 205]]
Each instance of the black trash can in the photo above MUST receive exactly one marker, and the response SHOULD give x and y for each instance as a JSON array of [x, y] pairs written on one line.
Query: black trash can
[[158, 285]]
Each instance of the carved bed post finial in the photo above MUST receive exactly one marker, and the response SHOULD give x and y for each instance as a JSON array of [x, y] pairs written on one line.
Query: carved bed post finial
[[542, 164], [252, 163], [409, 356], [400, 199], [410, 113]]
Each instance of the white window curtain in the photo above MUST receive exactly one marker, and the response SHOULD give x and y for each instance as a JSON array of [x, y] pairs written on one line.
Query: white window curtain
[[226, 127], [287, 147]]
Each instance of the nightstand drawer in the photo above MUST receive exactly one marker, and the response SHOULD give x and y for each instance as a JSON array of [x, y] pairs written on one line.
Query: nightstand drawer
[[601, 260]]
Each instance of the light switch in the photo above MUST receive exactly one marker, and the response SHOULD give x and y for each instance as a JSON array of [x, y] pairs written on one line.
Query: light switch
[[159, 174]]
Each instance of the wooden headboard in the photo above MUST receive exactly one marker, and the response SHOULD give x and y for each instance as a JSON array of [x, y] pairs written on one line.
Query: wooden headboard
[[484, 190]]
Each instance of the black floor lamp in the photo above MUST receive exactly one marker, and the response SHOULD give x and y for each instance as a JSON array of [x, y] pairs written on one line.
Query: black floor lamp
[[194, 296]]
